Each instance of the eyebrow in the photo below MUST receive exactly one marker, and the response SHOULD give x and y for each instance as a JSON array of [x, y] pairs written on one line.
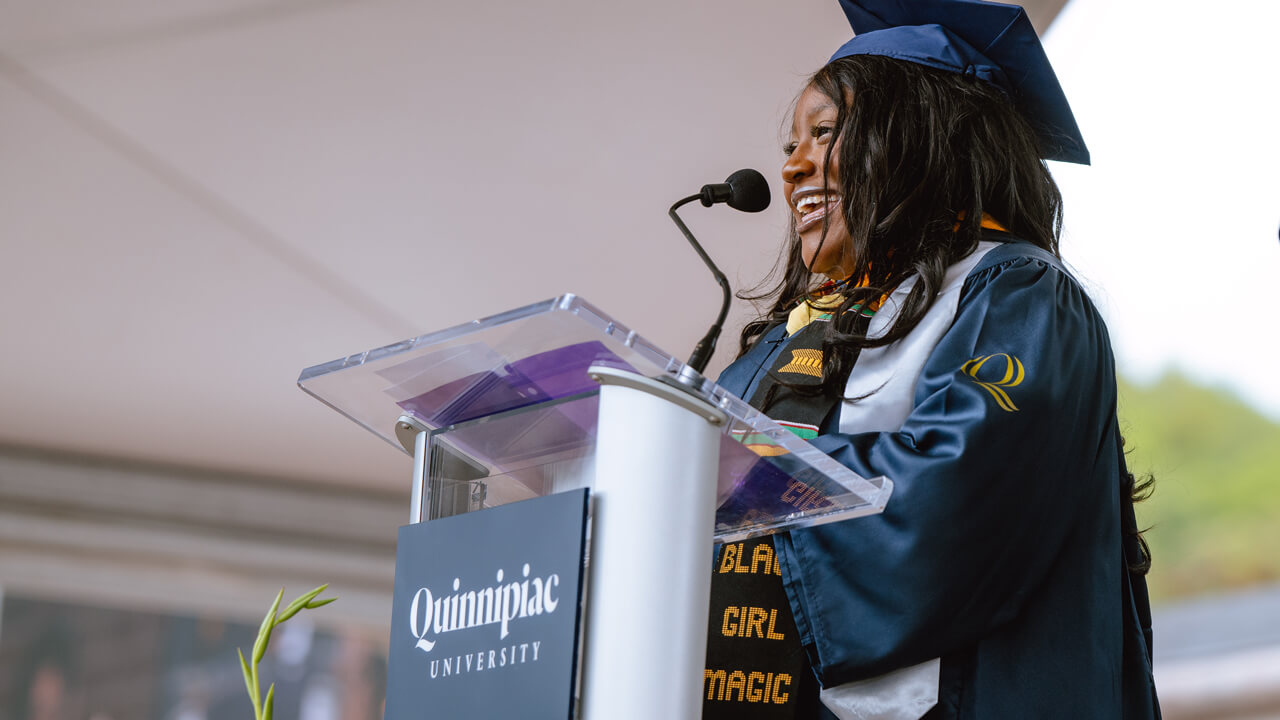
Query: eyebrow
[[809, 118], [824, 107], [820, 109]]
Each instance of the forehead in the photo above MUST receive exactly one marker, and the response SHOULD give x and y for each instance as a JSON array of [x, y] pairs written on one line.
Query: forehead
[[812, 104]]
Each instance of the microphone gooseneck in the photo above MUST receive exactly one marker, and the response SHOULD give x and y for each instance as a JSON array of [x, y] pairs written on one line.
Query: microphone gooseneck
[[744, 190]]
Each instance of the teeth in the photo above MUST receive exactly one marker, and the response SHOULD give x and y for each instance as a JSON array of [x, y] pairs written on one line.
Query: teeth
[[810, 202]]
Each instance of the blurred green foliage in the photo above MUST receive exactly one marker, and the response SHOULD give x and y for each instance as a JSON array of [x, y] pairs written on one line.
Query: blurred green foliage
[[1214, 516]]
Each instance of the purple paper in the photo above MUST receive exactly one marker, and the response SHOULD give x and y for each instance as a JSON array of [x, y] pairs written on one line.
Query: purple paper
[[535, 379], [767, 488]]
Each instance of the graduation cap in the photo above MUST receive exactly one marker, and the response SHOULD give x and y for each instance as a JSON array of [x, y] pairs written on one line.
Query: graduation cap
[[991, 41]]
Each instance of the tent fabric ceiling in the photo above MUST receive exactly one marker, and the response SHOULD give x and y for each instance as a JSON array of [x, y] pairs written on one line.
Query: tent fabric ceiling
[[199, 199]]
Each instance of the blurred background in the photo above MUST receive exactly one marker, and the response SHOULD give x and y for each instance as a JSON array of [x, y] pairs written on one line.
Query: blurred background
[[200, 198]]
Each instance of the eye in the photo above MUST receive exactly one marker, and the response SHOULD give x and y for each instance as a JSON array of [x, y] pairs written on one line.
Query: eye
[[789, 148], [821, 131]]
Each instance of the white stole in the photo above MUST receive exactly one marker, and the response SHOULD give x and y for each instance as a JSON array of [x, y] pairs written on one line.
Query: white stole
[[890, 374]]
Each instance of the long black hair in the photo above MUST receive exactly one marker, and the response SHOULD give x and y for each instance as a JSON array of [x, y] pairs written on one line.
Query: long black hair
[[923, 155]]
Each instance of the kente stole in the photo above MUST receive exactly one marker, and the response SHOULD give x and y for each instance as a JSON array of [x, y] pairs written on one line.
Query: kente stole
[[756, 666]]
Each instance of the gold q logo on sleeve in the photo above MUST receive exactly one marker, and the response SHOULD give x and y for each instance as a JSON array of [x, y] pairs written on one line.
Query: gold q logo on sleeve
[[1012, 377]]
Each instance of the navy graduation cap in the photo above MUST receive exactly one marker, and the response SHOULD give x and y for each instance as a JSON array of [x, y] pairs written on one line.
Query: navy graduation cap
[[991, 41]]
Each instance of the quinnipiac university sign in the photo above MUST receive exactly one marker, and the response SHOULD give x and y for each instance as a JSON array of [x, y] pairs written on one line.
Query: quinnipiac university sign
[[486, 612]]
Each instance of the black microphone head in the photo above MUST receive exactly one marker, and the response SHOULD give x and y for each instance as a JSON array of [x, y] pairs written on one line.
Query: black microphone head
[[748, 191]]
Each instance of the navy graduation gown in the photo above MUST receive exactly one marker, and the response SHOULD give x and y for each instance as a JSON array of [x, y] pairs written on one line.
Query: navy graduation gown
[[1000, 550]]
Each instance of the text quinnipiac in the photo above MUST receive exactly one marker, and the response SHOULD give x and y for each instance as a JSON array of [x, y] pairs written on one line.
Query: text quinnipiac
[[431, 616]]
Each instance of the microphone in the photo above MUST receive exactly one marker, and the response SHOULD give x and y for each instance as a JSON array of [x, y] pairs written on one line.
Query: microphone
[[744, 190]]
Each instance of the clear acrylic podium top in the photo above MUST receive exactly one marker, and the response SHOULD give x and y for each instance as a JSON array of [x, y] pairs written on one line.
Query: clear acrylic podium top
[[511, 414]]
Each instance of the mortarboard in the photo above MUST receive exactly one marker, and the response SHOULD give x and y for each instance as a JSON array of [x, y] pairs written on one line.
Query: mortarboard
[[991, 41]]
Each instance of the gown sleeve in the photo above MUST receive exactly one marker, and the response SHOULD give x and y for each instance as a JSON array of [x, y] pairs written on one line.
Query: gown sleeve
[[995, 463]]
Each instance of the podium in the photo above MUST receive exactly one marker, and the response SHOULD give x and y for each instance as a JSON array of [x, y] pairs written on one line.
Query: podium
[[558, 396]]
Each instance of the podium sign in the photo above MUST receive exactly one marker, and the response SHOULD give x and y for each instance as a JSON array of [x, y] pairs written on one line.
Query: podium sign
[[486, 612]]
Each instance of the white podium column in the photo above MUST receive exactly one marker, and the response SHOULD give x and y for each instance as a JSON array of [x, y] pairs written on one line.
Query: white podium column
[[657, 456]]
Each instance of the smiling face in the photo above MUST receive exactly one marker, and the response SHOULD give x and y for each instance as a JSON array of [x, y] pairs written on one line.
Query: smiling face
[[812, 188]]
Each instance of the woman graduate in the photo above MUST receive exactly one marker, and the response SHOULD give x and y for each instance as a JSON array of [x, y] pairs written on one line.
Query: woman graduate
[[960, 359]]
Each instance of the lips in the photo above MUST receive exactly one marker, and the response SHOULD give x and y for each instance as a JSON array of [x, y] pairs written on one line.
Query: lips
[[811, 206]]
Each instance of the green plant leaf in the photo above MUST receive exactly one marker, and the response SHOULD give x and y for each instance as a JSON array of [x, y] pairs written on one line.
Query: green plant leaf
[[264, 709], [264, 632], [248, 680], [269, 706], [303, 601]]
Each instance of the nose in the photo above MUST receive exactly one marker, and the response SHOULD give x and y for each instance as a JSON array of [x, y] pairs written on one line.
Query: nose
[[798, 167]]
